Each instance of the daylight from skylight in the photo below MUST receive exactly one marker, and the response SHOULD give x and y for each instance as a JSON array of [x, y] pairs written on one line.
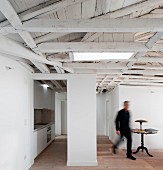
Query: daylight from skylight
[[82, 56]]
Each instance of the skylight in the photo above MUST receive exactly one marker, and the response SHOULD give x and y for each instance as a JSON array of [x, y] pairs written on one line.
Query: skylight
[[82, 56]]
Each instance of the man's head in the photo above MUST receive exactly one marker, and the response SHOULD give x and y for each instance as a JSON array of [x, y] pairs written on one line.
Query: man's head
[[126, 105]]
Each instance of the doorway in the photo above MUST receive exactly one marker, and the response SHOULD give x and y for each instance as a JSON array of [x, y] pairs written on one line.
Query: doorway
[[63, 117], [50, 108]]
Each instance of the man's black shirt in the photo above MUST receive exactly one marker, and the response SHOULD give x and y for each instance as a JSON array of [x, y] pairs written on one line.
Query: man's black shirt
[[123, 120]]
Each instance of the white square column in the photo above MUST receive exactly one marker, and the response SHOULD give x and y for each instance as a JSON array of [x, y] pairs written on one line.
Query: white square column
[[81, 119]]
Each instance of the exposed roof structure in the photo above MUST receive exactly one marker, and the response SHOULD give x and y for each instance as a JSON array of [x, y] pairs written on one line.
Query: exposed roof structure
[[43, 34]]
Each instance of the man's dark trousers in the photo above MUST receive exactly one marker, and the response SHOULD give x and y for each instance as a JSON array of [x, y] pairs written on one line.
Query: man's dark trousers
[[127, 135]]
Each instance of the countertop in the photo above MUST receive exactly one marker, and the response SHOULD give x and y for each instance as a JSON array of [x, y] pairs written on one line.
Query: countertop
[[39, 127]]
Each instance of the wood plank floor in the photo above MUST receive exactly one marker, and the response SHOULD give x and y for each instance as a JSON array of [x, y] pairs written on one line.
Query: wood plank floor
[[55, 158]]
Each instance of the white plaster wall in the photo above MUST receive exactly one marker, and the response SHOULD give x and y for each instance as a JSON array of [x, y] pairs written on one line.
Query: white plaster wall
[[145, 103], [81, 103], [101, 113], [16, 118], [42, 96], [113, 98]]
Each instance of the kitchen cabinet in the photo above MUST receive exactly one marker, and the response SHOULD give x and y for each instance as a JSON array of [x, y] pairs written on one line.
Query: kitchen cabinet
[[40, 139]]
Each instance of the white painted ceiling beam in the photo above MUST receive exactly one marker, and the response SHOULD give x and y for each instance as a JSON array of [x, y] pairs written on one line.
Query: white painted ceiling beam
[[14, 19], [61, 71], [97, 25], [145, 72], [42, 67], [57, 69], [120, 72], [142, 84], [143, 81], [120, 65], [49, 9], [97, 71], [54, 47], [16, 49], [9, 12], [44, 9], [102, 82], [154, 39], [135, 58], [52, 76], [57, 84], [94, 36], [95, 65], [144, 77]]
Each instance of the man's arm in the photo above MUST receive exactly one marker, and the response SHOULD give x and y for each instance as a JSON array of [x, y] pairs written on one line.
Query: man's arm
[[117, 123]]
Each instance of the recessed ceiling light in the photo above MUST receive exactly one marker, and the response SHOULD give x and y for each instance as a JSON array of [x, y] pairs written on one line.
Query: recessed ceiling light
[[82, 56], [45, 85]]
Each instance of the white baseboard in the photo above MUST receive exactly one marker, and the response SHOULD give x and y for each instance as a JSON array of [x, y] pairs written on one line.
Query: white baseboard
[[82, 163], [29, 166]]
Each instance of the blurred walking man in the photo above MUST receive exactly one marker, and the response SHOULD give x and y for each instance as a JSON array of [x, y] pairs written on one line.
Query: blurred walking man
[[123, 129]]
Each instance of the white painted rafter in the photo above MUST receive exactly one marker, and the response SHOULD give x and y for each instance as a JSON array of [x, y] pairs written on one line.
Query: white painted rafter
[[54, 47], [95, 65], [120, 65], [44, 9], [143, 81], [143, 84], [145, 72], [49, 9], [142, 77], [92, 37], [87, 25], [135, 58], [97, 71], [154, 39], [57, 84], [14, 19], [42, 67], [100, 86]]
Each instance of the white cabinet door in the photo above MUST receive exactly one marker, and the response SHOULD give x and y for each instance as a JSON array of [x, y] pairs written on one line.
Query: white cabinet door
[[35, 144], [41, 140]]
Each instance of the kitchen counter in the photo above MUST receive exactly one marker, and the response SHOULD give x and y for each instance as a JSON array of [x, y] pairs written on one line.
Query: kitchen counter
[[39, 127]]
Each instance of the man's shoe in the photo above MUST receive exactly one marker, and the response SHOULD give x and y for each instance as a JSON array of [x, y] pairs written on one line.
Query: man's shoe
[[131, 157], [114, 149]]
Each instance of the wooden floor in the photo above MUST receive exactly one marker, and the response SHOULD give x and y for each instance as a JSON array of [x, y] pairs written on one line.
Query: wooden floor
[[55, 158]]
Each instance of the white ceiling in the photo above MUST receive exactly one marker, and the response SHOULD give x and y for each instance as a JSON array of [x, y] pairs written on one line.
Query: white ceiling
[[144, 68]]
